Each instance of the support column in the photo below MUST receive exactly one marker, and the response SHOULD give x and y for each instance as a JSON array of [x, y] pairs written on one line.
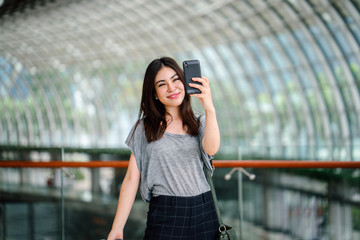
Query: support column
[[95, 176]]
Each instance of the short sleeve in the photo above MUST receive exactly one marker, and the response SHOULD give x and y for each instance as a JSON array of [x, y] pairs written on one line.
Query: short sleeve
[[206, 157], [135, 142]]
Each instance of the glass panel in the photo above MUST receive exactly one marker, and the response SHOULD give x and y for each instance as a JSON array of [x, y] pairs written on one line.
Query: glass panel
[[30, 198], [258, 203], [296, 206]]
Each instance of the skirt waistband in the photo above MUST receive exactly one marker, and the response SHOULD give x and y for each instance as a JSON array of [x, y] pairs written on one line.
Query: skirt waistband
[[174, 200]]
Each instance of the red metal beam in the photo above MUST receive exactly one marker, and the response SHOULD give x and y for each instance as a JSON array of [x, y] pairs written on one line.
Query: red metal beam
[[216, 163]]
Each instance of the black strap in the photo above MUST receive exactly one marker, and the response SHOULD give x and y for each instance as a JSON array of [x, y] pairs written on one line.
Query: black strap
[[213, 193]]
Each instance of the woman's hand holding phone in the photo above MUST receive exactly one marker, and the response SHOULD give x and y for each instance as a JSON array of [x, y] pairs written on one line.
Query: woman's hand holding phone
[[204, 97]]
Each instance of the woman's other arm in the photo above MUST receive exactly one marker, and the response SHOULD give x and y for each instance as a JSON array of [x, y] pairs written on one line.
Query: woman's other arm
[[127, 195]]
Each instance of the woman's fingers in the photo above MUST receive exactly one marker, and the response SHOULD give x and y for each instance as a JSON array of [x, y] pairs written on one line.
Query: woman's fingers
[[204, 84], [202, 80]]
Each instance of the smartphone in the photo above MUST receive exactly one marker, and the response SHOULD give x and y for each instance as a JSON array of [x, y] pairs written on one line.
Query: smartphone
[[191, 69]]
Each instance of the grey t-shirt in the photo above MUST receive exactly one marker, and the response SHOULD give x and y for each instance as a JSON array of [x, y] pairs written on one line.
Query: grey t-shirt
[[172, 165]]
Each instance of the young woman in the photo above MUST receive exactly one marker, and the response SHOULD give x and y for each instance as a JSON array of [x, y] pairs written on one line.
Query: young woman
[[169, 148]]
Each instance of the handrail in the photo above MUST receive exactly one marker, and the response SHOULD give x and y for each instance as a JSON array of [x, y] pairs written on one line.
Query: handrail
[[216, 163]]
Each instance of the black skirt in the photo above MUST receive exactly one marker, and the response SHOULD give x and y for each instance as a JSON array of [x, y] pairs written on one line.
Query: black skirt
[[185, 218]]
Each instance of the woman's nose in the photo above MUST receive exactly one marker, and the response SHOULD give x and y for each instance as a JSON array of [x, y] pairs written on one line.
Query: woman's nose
[[171, 87]]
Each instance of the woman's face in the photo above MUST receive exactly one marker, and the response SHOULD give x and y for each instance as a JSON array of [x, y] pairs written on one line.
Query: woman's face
[[169, 88]]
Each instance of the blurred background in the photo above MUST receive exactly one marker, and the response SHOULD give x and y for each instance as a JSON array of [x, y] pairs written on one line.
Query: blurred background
[[285, 78]]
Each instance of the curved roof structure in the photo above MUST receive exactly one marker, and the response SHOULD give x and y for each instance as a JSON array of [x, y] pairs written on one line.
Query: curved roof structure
[[285, 75]]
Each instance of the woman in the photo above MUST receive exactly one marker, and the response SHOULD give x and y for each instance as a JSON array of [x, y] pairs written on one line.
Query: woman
[[169, 147]]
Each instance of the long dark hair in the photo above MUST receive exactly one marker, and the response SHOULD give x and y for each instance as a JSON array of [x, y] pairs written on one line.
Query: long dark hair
[[153, 112]]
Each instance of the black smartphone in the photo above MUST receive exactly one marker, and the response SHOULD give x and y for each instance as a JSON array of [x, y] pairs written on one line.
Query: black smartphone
[[191, 69]]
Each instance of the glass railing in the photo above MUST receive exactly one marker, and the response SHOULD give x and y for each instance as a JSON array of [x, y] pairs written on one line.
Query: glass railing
[[72, 194]]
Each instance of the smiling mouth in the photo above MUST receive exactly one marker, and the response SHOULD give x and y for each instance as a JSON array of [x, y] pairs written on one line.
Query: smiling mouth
[[173, 96]]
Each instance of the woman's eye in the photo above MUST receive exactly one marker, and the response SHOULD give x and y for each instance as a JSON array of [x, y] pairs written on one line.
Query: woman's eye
[[176, 79]]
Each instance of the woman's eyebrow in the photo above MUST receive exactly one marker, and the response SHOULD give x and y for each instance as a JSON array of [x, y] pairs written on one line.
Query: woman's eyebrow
[[175, 75], [159, 81]]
